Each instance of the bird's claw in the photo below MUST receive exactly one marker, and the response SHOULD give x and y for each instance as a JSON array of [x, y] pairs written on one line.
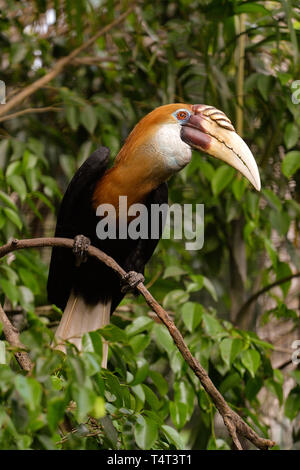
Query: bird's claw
[[80, 248], [130, 281]]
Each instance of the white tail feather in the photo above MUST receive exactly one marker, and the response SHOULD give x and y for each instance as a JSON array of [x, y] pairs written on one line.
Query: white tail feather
[[79, 318]]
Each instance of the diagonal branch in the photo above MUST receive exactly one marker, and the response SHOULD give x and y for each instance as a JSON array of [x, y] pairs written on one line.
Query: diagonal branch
[[60, 64], [233, 422], [45, 109], [12, 336], [244, 308]]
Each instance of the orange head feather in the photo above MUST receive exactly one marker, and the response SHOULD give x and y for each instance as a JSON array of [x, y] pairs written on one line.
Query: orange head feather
[[152, 152]]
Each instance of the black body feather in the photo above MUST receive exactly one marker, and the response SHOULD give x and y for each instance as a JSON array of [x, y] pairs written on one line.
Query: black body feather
[[93, 280]]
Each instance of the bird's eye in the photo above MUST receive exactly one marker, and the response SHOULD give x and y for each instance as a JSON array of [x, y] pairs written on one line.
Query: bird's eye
[[181, 115]]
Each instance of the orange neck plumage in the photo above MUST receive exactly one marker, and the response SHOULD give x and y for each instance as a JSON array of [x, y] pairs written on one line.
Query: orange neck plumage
[[123, 180], [147, 159]]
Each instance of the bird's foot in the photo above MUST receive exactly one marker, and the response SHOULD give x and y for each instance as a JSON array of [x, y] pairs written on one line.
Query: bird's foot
[[130, 281], [80, 248]]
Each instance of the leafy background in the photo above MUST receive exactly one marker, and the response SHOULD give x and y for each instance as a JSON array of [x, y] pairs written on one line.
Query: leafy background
[[185, 51]]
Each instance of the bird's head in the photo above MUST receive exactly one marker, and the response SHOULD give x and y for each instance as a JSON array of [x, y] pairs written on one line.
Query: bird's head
[[167, 135]]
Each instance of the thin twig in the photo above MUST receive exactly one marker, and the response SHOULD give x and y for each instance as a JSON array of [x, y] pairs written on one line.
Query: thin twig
[[46, 109], [262, 291], [233, 422], [12, 336], [240, 77], [94, 60]]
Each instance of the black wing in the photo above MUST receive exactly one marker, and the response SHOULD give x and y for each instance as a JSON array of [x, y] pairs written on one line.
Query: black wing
[[142, 250], [76, 216], [93, 280]]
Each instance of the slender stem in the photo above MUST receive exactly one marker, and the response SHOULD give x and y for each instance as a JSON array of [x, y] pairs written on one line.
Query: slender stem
[[240, 76], [12, 336], [244, 308], [29, 111]]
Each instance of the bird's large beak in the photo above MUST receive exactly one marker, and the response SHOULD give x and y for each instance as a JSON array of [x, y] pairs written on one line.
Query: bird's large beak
[[209, 130]]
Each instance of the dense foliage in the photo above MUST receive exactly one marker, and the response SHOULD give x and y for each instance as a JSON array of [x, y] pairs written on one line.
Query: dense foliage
[[183, 51]]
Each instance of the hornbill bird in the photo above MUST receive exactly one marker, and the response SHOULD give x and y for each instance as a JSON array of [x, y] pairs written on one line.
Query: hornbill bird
[[160, 145]]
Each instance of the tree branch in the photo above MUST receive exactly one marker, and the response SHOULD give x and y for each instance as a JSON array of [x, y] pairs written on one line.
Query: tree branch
[[28, 111], [244, 308], [233, 422], [12, 336], [59, 66]]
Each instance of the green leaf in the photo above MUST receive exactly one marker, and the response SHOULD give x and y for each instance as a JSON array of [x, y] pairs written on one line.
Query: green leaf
[[26, 298], [98, 410], [145, 433], [280, 221], [184, 392], [9, 290], [51, 187], [2, 353], [283, 270], [85, 399], [192, 315], [159, 381], [238, 188], [138, 325], [272, 199], [275, 388], [92, 342], [264, 83], [271, 252], [291, 135], [151, 398], [174, 298], [14, 168], [29, 160], [18, 184], [296, 375], [217, 444], [30, 390], [30, 280], [291, 163], [173, 437], [8, 201], [72, 116], [113, 333], [68, 165], [88, 118], [221, 179], [210, 288], [18, 52], [141, 371], [163, 338], [250, 8], [139, 392], [292, 404], [251, 360], [212, 325], [253, 386], [4, 146], [57, 382], [13, 216], [205, 168], [55, 411], [178, 413], [231, 381], [173, 271], [139, 343], [229, 349]]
